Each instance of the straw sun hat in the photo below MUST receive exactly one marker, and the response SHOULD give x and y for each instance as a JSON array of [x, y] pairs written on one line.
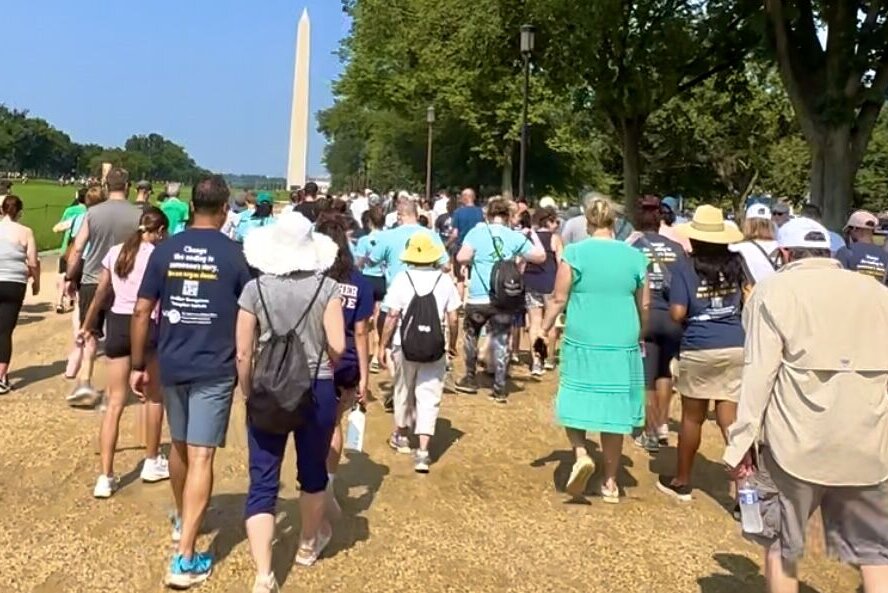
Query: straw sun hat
[[709, 226], [421, 250], [289, 245]]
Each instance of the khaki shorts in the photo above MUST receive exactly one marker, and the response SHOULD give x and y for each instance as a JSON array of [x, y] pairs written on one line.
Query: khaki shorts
[[855, 519], [710, 374]]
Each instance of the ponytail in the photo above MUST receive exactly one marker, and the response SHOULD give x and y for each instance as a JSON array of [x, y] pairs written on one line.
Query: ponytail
[[152, 221]]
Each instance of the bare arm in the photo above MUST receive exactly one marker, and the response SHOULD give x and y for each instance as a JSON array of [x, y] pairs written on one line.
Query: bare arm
[[563, 282], [388, 330], [139, 331], [362, 344], [557, 247], [465, 254], [334, 328], [643, 304], [32, 261], [103, 291], [77, 249], [245, 343], [453, 326], [678, 313]]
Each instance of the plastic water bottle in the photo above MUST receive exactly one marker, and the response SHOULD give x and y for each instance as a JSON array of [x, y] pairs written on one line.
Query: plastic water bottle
[[750, 510], [354, 435]]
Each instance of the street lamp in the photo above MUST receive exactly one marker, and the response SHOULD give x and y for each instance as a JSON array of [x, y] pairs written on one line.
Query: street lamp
[[527, 39], [430, 119]]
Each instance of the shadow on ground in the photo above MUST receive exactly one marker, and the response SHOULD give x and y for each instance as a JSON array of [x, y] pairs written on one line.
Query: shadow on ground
[[33, 374], [744, 577], [226, 516]]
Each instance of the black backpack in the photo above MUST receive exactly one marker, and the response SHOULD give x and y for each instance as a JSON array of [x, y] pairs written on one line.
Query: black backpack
[[422, 338], [506, 281], [282, 379]]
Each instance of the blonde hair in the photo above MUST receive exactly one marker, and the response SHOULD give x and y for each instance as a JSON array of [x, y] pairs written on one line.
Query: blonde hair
[[600, 213], [758, 228]]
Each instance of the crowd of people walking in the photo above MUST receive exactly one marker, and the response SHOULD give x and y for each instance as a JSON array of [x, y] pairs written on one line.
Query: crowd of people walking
[[298, 306]]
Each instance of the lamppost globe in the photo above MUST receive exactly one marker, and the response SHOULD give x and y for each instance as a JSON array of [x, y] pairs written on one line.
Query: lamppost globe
[[430, 114], [528, 33]]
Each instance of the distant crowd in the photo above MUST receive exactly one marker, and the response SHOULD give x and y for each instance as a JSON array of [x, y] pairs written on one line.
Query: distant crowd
[[774, 321]]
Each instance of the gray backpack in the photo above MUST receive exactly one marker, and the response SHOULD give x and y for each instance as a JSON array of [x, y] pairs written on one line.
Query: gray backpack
[[282, 379]]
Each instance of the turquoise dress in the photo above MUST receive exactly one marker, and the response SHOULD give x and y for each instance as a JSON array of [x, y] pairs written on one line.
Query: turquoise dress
[[601, 386]]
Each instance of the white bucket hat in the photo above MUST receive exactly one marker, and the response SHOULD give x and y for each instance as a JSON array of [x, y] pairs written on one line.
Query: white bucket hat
[[289, 245]]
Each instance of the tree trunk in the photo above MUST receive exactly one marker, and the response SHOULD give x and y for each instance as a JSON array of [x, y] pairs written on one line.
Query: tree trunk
[[630, 132], [508, 170], [832, 175]]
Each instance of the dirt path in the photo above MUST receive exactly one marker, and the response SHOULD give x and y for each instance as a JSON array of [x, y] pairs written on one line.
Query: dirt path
[[489, 517]]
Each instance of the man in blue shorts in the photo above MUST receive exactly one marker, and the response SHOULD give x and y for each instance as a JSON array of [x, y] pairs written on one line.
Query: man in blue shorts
[[196, 277]]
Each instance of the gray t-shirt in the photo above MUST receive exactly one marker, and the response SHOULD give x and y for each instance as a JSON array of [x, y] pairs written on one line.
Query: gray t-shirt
[[577, 229], [286, 298], [110, 223]]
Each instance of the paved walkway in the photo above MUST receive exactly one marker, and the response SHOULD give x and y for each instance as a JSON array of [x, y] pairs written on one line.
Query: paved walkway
[[490, 516]]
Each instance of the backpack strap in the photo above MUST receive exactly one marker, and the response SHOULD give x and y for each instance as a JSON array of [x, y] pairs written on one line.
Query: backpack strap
[[304, 313], [434, 286], [767, 257]]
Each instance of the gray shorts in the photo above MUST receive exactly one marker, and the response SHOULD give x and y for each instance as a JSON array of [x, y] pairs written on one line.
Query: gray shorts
[[198, 412], [855, 518]]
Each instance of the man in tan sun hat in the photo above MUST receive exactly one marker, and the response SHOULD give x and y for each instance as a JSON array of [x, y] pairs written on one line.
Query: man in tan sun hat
[[862, 254], [418, 300], [813, 395]]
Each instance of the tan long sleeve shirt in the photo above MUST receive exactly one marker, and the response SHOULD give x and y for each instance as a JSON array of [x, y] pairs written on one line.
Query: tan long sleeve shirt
[[815, 380]]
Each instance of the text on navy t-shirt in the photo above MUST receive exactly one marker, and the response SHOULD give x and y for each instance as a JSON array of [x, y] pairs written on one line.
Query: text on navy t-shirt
[[357, 305], [864, 258], [713, 313], [196, 276], [661, 252]]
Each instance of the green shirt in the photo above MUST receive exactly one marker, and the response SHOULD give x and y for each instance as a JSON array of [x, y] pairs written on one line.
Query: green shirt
[[176, 212], [70, 213]]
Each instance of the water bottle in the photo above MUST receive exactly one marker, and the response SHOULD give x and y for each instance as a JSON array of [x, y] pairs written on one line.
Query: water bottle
[[354, 434], [750, 510]]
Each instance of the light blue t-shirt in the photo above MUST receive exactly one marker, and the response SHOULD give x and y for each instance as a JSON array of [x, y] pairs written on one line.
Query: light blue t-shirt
[[481, 238], [247, 224], [365, 245], [390, 244]]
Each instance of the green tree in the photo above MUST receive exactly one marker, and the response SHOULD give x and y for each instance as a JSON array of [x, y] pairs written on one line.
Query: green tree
[[837, 87]]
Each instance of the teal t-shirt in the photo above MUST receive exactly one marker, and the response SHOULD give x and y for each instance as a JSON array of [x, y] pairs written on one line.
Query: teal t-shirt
[[247, 223], [363, 248], [176, 212], [491, 243], [69, 213], [390, 244]]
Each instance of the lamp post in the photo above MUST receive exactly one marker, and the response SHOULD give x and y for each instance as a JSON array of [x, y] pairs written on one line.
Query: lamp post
[[527, 39], [430, 119]]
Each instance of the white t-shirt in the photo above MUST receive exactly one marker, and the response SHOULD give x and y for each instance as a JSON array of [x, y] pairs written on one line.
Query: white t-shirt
[[758, 264], [358, 207], [401, 292]]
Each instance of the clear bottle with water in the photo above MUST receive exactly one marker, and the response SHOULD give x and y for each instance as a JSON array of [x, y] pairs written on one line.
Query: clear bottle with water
[[750, 509]]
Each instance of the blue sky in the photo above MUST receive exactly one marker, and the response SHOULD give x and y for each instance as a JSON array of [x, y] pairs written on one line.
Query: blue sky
[[213, 75]]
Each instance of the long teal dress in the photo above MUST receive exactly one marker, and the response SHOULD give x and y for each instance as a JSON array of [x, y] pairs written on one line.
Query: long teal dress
[[601, 387]]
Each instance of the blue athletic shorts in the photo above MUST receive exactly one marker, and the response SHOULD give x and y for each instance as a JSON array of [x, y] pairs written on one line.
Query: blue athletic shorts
[[198, 412]]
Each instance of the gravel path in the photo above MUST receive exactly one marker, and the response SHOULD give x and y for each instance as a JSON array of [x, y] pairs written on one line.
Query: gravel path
[[489, 517]]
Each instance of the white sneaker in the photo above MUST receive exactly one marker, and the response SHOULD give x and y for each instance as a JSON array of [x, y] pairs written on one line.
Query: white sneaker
[[105, 486], [155, 470], [83, 395]]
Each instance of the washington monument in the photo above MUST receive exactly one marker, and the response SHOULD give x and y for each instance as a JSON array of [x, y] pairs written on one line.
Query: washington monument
[[297, 161]]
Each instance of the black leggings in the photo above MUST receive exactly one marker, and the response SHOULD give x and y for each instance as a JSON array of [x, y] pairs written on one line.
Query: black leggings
[[12, 295]]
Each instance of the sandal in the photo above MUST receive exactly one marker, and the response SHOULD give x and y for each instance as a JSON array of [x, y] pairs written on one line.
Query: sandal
[[308, 554], [610, 496], [582, 470]]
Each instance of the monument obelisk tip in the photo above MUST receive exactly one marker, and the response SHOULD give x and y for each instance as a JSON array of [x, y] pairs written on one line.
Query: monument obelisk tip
[[299, 114]]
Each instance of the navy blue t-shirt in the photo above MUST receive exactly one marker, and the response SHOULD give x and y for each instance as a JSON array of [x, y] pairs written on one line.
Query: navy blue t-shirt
[[661, 252], [714, 314], [357, 305], [864, 258], [197, 277], [464, 219]]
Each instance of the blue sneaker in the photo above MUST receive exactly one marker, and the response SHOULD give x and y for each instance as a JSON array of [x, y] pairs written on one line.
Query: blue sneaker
[[184, 573]]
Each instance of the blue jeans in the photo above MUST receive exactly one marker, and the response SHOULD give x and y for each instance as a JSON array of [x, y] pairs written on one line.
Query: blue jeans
[[198, 412], [312, 441]]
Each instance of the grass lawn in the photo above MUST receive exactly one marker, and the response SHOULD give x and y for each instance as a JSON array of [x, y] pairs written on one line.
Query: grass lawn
[[46, 200]]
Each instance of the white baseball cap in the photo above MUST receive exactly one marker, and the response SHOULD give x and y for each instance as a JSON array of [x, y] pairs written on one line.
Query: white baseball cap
[[547, 202], [760, 211], [803, 233]]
